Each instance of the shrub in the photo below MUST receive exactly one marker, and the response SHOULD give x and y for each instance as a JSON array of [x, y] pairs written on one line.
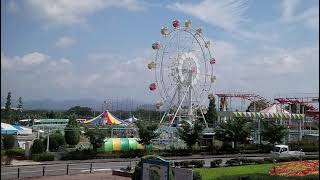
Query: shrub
[[55, 141], [233, 162], [37, 147], [15, 152], [196, 176], [197, 163], [215, 163], [80, 155], [43, 157], [9, 141], [268, 160]]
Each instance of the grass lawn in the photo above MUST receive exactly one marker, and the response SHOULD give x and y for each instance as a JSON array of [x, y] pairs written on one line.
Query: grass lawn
[[213, 173]]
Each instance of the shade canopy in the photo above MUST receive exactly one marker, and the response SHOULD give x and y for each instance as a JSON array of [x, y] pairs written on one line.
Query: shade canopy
[[14, 129]]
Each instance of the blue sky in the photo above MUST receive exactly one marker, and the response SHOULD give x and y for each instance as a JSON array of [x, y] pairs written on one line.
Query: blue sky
[[73, 49]]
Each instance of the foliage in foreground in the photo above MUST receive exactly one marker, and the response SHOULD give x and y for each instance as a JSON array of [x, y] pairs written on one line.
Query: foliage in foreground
[[273, 133], [37, 147], [9, 141], [43, 157], [190, 134], [214, 173], [72, 132], [236, 130], [96, 137], [147, 131]]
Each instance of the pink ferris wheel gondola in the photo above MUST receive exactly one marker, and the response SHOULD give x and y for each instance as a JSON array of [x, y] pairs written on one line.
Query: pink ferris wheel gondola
[[153, 87]]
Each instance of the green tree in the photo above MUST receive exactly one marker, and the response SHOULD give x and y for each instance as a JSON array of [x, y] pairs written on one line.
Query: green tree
[[8, 108], [190, 133], [236, 130], [9, 141], [50, 115], [80, 111], [20, 103], [72, 131], [273, 133], [96, 137], [55, 141], [37, 147], [211, 116], [147, 131]]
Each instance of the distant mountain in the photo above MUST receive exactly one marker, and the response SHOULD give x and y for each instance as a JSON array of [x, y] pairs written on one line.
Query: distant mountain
[[59, 105]]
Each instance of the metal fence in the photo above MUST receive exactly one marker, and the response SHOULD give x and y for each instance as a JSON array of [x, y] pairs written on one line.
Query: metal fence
[[52, 170]]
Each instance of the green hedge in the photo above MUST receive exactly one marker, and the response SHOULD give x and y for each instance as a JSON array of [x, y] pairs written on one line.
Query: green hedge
[[43, 157], [267, 177], [15, 152], [245, 161], [195, 163], [80, 155], [215, 163]]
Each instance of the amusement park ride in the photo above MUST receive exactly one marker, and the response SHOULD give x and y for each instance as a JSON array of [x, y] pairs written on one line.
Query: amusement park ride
[[184, 72]]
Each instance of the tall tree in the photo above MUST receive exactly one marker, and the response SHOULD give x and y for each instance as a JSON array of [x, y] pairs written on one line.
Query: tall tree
[[20, 103], [72, 131], [190, 134], [211, 116], [236, 130], [8, 108], [147, 131], [273, 133], [96, 137]]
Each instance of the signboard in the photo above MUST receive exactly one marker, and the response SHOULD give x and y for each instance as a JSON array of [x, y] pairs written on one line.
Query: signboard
[[154, 168], [183, 174]]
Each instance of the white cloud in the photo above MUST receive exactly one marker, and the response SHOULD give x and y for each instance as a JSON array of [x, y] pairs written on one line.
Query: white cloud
[[65, 42], [229, 15], [226, 14], [309, 17], [34, 58], [288, 9], [75, 11]]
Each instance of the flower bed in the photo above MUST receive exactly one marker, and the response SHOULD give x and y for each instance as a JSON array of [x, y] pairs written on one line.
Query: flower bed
[[296, 168]]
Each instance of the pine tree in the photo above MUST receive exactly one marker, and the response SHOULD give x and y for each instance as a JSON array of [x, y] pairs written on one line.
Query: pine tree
[[211, 116], [20, 103], [8, 108], [72, 132]]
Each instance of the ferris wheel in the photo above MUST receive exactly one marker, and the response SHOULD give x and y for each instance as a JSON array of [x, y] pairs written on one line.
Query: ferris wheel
[[184, 71]]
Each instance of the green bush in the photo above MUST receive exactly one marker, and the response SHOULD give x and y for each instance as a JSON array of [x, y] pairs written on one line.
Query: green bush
[[196, 176], [9, 141], [43, 157], [80, 155], [233, 162], [215, 163], [306, 146], [37, 147], [15, 152], [55, 141], [197, 163], [266, 177]]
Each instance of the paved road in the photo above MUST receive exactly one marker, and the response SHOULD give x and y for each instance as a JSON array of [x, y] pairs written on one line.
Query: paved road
[[61, 168], [98, 165]]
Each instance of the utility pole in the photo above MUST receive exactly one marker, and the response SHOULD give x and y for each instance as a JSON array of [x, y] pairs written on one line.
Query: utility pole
[[48, 139]]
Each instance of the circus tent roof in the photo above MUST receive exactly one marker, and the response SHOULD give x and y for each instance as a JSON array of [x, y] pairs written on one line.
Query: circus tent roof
[[131, 120], [106, 118], [275, 108]]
